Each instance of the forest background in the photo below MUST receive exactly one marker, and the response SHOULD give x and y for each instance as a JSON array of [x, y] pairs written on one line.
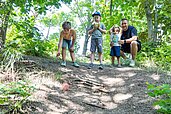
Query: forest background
[[32, 27], [23, 25]]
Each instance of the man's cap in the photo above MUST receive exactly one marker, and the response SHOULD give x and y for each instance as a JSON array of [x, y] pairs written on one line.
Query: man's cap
[[96, 13]]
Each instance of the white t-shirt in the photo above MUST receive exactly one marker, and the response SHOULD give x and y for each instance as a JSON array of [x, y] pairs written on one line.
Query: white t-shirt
[[115, 38]]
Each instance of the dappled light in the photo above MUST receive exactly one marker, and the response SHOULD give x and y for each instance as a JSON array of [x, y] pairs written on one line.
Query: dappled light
[[119, 98], [112, 81], [155, 76]]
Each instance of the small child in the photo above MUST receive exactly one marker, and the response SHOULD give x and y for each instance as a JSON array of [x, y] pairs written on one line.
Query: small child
[[96, 31], [67, 39], [115, 46]]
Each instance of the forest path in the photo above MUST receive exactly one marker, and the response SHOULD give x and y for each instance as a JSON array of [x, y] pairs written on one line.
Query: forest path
[[91, 91]]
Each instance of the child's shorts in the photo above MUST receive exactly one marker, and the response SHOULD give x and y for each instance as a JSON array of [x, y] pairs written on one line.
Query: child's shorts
[[96, 43], [115, 51], [66, 43]]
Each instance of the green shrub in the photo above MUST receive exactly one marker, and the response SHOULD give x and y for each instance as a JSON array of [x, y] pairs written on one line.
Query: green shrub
[[14, 95], [163, 95], [158, 53]]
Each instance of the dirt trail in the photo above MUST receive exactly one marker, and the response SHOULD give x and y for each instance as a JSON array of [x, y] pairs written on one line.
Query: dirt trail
[[91, 91]]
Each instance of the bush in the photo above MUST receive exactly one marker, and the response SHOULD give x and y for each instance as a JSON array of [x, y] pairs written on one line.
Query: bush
[[14, 95], [163, 94], [159, 53]]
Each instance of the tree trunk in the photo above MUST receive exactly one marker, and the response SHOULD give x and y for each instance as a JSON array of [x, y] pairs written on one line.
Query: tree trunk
[[155, 21], [47, 36], [111, 3], [85, 43], [149, 19], [4, 29], [1, 41]]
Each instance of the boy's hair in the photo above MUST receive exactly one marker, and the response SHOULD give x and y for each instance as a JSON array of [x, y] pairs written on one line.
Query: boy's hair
[[66, 25]]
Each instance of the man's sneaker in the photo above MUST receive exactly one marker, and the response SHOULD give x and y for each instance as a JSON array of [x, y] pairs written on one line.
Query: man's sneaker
[[75, 64], [119, 65], [63, 63], [132, 63], [90, 65], [101, 66]]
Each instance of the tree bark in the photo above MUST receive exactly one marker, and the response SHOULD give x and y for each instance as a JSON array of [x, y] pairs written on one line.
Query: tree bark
[[149, 19], [111, 3], [86, 43], [155, 22]]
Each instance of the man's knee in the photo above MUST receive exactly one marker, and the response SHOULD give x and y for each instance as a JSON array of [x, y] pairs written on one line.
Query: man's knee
[[134, 44]]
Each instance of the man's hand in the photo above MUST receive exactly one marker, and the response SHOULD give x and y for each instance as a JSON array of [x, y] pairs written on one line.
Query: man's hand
[[121, 41]]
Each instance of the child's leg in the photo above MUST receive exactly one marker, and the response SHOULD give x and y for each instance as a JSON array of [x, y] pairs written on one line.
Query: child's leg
[[100, 58], [99, 44], [64, 54], [118, 59], [72, 55], [92, 57], [113, 60]]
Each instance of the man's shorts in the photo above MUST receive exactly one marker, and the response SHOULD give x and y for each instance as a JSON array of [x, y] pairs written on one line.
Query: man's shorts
[[115, 51], [96, 43], [66, 43], [126, 47]]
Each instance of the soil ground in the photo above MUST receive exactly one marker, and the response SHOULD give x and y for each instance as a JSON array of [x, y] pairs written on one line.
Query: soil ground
[[91, 91]]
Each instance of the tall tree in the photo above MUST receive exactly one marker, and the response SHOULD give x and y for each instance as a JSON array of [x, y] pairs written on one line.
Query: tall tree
[[9, 7]]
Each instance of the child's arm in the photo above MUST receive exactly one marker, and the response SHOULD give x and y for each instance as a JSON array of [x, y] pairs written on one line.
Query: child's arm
[[92, 29], [73, 40], [102, 30], [60, 43], [111, 40], [111, 29]]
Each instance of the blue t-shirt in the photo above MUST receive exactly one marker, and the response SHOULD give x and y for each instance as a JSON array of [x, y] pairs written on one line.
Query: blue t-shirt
[[97, 33], [129, 33]]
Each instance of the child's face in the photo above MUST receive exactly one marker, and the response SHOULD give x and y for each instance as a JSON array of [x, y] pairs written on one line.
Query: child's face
[[97, 18], [116, 30]]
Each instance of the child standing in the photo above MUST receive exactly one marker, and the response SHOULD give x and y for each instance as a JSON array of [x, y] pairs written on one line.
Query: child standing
[[67, 39], [96, 30], [115, 46]]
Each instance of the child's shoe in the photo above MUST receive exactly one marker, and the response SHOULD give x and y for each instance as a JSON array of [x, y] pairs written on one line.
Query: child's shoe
[[63, 63], [90, 65], [119, 65], [101, 66], [75, 64]]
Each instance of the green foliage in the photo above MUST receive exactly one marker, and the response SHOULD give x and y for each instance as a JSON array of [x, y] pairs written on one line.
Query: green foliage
[[157, 52], [41, 48], [14, 94], [163, 93], [58, 76], [10, 55]]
